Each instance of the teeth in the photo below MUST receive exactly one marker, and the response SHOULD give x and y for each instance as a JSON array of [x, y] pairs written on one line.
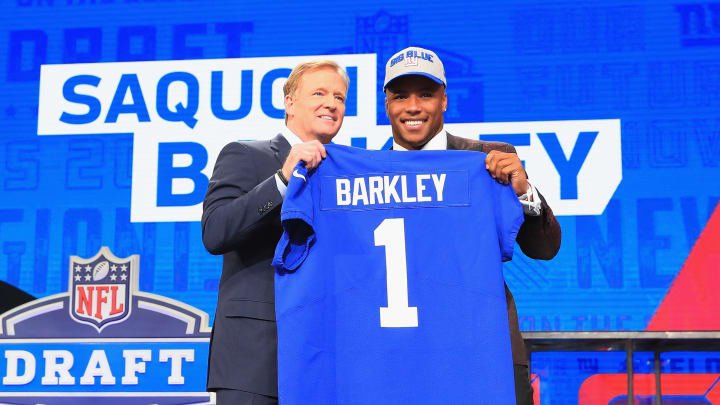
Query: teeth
[[326, 117], [413, 123]]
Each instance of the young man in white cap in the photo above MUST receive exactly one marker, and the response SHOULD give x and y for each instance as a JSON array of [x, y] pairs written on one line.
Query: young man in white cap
[[415, 100]]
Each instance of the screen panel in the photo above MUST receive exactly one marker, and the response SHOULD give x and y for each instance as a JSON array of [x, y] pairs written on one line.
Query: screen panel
[[654, 67]]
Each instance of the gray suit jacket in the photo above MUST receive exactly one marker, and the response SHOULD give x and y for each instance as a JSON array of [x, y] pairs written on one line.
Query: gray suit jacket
[[241, 221]]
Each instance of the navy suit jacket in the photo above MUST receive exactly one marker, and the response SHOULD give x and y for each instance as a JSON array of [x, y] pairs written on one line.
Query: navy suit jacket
[[241, 221]]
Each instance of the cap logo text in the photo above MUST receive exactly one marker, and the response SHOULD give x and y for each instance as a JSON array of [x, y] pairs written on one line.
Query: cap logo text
[[415, 55], [396, 60]]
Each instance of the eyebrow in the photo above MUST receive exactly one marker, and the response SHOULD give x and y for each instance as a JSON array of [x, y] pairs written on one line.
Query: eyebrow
[[325, 90], [424, 89]]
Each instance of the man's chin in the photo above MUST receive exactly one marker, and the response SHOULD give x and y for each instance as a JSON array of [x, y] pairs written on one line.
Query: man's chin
[[326, 136], [415, 142]]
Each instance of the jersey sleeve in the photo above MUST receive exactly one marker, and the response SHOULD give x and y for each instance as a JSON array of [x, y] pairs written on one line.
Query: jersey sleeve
[[297, 222], [508, 218]]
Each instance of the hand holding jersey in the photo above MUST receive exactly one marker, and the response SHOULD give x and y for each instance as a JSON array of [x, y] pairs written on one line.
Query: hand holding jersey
[[310, 152], [507, 168]]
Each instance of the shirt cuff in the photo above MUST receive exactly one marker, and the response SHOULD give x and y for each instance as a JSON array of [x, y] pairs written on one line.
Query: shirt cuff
[[531, 205], [282, 188]]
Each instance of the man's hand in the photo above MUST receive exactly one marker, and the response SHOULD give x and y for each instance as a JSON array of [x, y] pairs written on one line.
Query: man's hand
[[311, 152], [507, 168]]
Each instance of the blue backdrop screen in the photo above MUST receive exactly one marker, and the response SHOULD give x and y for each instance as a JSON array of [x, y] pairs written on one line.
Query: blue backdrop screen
[[655, 67]]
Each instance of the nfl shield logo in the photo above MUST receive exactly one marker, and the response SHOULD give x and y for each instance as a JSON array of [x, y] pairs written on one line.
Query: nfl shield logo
[[101, 287]]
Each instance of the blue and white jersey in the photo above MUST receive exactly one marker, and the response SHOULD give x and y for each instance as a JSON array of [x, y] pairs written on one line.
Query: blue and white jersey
[[389, 286]]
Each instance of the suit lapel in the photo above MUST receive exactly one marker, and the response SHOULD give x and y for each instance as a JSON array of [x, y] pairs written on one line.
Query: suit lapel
[[458, 143], [451, 142], [280, 147]]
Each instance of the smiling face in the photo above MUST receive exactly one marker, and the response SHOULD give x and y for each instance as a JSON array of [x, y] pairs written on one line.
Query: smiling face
[[415, 106], [317, 108]]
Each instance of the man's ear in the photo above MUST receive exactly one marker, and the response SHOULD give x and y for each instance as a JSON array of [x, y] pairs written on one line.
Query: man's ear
[[444, 103], [386, 105], [289, 106]]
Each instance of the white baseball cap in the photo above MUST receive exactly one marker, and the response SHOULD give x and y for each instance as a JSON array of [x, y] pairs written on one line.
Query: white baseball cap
[[415, 61]]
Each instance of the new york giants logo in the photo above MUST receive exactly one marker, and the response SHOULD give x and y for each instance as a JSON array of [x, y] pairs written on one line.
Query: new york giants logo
[[100, 288], [411, 59]]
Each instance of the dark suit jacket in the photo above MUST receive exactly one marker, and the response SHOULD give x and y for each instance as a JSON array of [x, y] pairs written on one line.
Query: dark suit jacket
[[241, 221], [539, 238], [11, 297]]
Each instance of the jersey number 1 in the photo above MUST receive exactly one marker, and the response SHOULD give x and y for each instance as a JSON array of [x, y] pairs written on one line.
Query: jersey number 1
[[391, 234]]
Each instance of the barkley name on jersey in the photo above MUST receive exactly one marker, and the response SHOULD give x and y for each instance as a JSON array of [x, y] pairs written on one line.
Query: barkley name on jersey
[[387, 189], [395, 189]]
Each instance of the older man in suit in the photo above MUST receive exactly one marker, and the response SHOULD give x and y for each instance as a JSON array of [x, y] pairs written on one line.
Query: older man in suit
[[415, 100], [241, 221]]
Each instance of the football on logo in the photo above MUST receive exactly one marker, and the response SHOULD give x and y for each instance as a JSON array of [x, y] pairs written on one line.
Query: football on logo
[[101, 270]]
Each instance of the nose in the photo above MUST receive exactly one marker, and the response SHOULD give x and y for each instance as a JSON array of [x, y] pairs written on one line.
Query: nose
[[413, 104], [330, 102]]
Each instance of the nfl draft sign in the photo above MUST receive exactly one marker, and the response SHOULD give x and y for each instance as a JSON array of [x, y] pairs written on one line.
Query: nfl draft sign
[[103, 341]]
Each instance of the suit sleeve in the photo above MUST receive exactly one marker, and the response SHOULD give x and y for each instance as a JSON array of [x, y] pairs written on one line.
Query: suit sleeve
[[237, 200], [539, 236]]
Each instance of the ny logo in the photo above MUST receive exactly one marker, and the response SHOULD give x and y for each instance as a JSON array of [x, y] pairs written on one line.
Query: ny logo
[[411, 60], [700, 24]]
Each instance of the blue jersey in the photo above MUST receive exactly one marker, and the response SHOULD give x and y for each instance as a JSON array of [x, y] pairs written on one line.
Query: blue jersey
[[389, 286]]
